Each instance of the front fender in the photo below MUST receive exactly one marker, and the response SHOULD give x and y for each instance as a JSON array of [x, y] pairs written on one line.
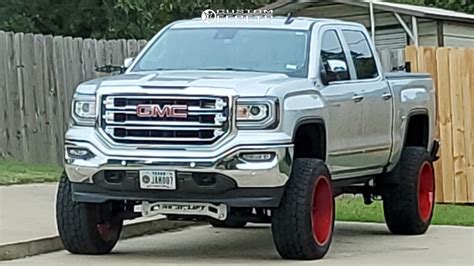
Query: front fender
[[301, 107]]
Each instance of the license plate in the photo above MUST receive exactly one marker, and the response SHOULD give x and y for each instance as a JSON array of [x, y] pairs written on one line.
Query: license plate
[[158, 179]]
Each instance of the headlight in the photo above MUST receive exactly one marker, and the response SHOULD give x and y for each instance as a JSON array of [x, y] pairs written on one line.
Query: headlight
[[257, 113], [84, 109]]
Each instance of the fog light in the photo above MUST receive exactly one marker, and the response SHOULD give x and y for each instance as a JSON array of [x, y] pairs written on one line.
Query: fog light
[[257, 157], [112, 176], [79, 153]]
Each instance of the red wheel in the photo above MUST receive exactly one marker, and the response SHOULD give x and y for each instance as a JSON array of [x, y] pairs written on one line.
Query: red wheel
[[85, 228], [108, 231], [303, 225], [408, 193], [322, 210], [425, 191]]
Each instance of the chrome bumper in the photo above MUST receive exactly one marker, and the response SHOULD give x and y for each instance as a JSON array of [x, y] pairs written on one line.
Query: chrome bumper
[[225, 160]]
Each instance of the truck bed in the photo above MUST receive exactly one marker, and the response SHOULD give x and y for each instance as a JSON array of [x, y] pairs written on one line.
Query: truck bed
[[405, 75]]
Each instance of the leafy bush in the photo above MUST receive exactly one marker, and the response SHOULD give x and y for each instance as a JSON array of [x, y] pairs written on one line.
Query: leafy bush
[[131, 18], [106, 18]]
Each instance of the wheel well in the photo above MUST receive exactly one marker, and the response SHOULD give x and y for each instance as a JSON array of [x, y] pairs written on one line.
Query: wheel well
[[310, 141], [418, 130]]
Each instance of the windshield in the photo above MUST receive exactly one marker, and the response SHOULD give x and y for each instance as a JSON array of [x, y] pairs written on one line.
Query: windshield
[[232, 49]]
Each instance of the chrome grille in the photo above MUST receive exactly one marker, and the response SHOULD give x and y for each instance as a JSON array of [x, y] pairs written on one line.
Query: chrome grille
[[207, 119]]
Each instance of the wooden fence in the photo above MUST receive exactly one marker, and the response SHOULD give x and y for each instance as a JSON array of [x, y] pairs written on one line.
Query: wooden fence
[[38, 75], [453, 72]]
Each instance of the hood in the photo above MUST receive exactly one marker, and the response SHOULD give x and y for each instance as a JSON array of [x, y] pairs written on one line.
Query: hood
[[244, 83]]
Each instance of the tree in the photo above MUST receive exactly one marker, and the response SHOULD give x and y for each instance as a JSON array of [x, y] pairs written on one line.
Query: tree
[[105, 18], [131, 18], [466, 6], [143, 18], [83, 18]]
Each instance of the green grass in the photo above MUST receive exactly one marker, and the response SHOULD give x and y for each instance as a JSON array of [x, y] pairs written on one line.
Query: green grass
[[348, 208], [353, 209], [12, 172]]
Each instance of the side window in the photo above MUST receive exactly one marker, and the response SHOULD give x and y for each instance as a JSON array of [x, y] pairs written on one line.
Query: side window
[[332, 57], [361, 53]]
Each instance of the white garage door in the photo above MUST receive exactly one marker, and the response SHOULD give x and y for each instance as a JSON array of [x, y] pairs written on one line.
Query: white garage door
[[391, 38]]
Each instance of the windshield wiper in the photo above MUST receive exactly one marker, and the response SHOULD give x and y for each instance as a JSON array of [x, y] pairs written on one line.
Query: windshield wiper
[[210, 69], [168, 69]]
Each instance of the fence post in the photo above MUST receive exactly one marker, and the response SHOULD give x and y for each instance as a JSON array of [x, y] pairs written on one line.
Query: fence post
[[411, 55], [31, 139], [427, 62], [3, 95], [42, 139], [470, 117], [459, 145]]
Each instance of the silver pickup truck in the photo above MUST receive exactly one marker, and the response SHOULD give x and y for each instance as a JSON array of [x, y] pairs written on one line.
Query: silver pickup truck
[[251, 122]]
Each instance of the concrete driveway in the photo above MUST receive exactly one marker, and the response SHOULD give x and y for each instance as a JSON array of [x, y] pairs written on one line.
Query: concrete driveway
[[354, 243]]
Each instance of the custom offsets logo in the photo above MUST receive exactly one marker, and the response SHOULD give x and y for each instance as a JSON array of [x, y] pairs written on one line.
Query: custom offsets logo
[[236, 15]]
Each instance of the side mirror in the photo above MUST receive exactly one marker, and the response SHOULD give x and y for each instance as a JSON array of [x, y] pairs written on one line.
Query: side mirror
[[128, 62], [337, 66], [333, 70]]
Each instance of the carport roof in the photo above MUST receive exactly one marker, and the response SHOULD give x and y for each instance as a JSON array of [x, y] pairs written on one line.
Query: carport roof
[[284, 6]]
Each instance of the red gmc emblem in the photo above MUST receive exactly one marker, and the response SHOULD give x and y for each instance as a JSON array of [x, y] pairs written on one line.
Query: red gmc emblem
[[167, 110]]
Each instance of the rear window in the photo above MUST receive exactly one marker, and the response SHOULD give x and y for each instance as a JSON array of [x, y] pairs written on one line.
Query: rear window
[[361, 54], [333, 58]]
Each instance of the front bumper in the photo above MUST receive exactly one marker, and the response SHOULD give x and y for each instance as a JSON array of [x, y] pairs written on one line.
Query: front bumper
[[237, 181], [234, 197]]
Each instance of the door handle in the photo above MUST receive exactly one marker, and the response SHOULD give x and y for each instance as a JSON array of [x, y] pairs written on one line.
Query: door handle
[[387, 96], [357, 98]]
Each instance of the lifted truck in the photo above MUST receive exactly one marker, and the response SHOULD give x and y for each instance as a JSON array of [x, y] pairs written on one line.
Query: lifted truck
[[246, 123]]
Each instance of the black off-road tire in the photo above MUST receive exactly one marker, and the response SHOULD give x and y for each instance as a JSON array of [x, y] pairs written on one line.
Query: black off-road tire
[[408, 193], [303, 225], [85, 228], [229, 223]]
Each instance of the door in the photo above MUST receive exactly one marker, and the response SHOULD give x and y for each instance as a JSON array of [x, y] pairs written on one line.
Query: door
[[376, 105], [343, 101]]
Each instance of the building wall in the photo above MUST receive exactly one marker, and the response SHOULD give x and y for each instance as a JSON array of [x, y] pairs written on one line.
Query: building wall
[[428, 33], [347, 13], [389, 33], [458, 35], [395, 38]]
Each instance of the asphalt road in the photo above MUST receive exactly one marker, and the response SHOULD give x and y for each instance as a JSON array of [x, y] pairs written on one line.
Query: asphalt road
[[354, 243]]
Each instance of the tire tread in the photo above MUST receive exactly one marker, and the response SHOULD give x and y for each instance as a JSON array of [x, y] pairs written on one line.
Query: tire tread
[[75, 222], [400, 200], [291, 224]]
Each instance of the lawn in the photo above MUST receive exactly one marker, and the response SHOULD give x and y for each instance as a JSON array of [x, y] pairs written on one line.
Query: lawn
[[353, 209], [20, 173]]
